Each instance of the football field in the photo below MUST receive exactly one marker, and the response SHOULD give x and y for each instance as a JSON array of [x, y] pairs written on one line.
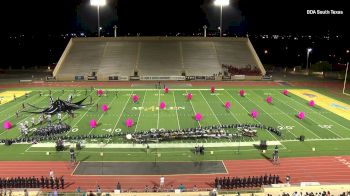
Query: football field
[[320, 123]]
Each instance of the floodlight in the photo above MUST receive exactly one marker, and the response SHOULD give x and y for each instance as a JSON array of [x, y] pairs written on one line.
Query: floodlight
[[98, 2], [222, 2]]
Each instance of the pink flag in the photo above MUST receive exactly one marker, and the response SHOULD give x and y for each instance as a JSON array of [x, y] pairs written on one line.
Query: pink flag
[[227, 105], [285, 92], [129, 122], [99, 92], [212, 89], [269, 99], [104, 107], [135, 98], [312, 103], [241, 92], [162, 105], [166, 90], [93, 123], [301, 115], [198, 117], [189, 96], [254, 113], [7, 125]]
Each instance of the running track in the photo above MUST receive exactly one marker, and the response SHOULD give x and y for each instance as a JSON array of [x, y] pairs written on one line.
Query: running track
[[310, 169]]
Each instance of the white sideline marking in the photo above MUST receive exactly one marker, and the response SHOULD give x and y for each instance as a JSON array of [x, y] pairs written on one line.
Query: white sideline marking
[[161, 145]]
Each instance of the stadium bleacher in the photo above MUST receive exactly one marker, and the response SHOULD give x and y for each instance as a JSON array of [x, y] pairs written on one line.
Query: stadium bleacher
[[153, 56]]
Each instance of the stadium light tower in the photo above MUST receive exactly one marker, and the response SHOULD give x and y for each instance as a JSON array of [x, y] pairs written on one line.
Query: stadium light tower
[[221, 3], [205, 30], [307, 58], [98, 3]]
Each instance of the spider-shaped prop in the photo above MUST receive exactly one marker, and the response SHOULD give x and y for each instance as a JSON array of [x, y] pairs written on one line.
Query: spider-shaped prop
[[60, 106]]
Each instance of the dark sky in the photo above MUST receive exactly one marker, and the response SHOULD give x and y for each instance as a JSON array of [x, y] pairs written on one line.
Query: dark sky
[[164, 16]]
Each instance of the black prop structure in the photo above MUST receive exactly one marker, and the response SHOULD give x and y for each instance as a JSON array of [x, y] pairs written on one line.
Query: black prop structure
[[60, 106]]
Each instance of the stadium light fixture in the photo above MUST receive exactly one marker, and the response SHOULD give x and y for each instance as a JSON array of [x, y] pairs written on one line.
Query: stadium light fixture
[[98, 3], [307, 58], [221, 3]]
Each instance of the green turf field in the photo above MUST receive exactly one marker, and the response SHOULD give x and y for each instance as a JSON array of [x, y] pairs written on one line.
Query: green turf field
[[320, 125]]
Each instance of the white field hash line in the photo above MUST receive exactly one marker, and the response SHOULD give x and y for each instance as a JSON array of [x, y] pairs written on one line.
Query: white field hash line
[[210, 108], [138, 118], [158, 108], [288, 117], [311, 118], [111, 102], [193, 109], [273, 117], [322, 115], [120, 116], [177, 116], [248, 113], [82, 116]]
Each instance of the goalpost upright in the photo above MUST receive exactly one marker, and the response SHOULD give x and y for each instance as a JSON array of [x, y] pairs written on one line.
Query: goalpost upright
[[346, 75]]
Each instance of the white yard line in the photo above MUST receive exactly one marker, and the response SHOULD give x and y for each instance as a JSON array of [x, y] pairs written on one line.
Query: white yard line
[[248, 112], [274, 118], [120, 116], [323, 115], [177, 116], [210, 108], [138, 118], [288, 117], [194, 110], [229, 110], [82, 116], [158, 108], [111, 102], [311, 118]]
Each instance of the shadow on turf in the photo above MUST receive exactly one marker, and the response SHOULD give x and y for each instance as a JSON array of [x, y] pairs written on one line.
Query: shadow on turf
[[266, 157], [85, 158]]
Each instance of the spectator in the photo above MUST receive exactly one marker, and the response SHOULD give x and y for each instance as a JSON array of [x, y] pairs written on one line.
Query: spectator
[[91, 193], [171, 188], [182, 188], [146, 188], [98, 190], [161, 184], [26, 192], [78, 190], [195, 189], [119, 187], [287, 179], [213, 192], [51, 174]]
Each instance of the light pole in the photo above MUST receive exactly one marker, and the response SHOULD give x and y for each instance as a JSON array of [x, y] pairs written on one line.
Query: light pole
[[221, 3], [307, 58], [115, 30], [205, 30], [98, 3]]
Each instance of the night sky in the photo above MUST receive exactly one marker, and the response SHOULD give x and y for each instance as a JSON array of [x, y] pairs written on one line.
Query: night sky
[[158, 17], [35, 31]]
